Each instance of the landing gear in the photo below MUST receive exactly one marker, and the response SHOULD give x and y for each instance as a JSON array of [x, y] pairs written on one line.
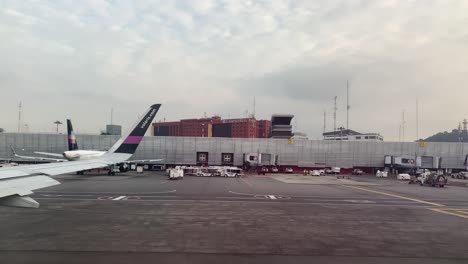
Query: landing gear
[[111, 173], [80, 173]]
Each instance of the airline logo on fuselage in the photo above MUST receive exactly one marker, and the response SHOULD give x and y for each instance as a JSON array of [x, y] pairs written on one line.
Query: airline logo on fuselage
[[148, 118]]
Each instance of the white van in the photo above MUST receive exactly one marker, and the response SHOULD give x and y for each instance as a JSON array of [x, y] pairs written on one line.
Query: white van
[[231, 172], [203, 172], [315, 173]]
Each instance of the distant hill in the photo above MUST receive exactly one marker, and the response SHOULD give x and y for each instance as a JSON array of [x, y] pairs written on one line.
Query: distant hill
[[454, 136]]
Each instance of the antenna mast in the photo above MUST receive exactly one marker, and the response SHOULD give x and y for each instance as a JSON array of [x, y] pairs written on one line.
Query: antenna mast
[[403, 126], [112, 116], [417, 119], [347, 105], [334, 114], [19, 117], [254, 107], [324, 121], [399, 133]]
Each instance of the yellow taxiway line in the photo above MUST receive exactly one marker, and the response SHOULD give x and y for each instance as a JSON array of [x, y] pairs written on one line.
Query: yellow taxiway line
[[456, 212], [393, 195]]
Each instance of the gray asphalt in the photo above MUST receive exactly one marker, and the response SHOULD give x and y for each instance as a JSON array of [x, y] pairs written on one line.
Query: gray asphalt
[[147, 218]]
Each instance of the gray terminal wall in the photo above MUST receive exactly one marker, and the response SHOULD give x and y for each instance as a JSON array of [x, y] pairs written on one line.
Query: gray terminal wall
[[304, 153]]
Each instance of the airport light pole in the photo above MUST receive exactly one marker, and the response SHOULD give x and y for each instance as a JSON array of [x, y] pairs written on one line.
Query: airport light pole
[[57, 123]]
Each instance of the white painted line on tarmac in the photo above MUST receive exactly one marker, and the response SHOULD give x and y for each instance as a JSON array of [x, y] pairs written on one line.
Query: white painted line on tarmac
[[264, 195], [243, 193], [272, 197], [119, 198], [236, 198]]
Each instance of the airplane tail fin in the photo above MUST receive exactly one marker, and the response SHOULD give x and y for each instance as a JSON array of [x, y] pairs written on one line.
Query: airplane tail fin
[[72, 144], [129, 142]]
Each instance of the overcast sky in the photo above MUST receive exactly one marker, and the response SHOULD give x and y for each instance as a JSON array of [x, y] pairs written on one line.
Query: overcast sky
[[78, 59]]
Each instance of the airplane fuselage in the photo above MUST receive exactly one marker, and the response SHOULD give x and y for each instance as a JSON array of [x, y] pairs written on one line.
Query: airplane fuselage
[[72, 155]]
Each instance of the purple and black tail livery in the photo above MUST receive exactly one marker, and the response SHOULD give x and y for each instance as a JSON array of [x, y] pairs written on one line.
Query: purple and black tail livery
[[72, 144], [131, 142]]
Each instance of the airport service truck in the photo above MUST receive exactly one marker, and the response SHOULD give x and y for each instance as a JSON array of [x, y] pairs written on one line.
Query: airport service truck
[[176, 173]]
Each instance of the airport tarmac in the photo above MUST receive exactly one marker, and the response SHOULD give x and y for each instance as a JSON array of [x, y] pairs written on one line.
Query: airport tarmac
[[146, 218]]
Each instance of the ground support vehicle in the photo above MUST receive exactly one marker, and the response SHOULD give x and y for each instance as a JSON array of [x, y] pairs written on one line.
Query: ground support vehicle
[[357, 172], [231, 172], [176, 174], [381, 174], [461, 175], [315, 173], [262, 170], [434, 180]]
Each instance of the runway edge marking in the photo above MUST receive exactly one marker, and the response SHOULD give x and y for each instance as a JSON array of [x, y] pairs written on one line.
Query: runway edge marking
[[393, 195]]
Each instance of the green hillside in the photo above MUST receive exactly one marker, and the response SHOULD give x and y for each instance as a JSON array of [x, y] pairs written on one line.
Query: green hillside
[[454, 136]]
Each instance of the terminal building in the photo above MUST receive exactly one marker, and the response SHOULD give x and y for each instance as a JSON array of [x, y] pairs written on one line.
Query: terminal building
[[295, 154], [351, 135], [214, 127]]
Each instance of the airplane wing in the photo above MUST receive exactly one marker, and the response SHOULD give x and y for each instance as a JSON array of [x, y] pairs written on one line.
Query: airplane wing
[[49, 154], [16, 183]]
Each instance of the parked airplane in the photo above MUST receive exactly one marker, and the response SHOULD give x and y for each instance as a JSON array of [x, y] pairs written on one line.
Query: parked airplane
[[7, 163], [17, 183], [74, 153], [35, 158]]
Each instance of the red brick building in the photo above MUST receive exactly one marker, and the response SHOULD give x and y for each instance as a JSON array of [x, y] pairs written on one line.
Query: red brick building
[[197, 127], [264, 128], [242, 127], [214, 127]]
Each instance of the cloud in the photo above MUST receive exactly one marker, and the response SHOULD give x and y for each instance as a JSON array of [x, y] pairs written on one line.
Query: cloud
[[79, 59]]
